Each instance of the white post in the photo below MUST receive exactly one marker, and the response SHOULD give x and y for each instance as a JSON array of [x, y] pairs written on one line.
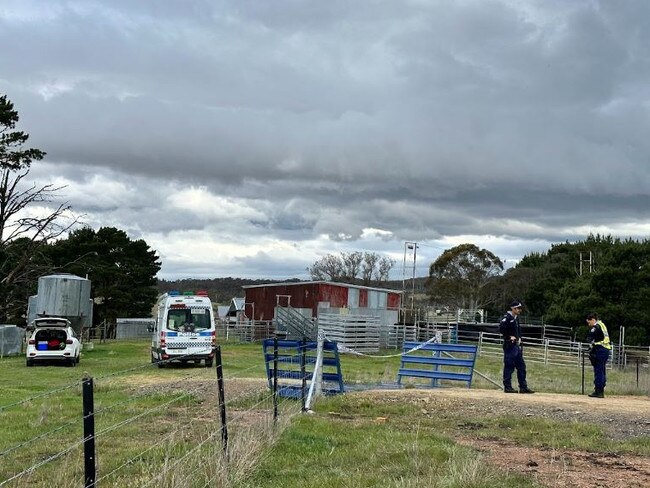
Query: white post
[[580, 353], [315, 387], [545, 351]]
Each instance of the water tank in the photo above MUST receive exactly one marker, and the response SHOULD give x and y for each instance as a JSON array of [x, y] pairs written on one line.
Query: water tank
[[32, 306], [65, 295]]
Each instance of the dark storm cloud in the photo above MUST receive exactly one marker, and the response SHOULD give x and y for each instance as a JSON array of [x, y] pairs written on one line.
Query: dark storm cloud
[[427, 120]]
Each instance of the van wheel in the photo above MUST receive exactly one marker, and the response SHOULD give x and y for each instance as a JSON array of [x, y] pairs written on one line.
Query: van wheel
[[29, 362], [208, 363], [72, 362]]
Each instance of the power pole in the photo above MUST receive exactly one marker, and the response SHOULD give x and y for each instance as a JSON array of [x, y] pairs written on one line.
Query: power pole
[[590, 260], [410, 249]]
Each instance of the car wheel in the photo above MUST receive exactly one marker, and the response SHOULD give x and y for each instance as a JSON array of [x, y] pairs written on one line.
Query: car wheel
[[72, 362], [29, 362], [208, 363]]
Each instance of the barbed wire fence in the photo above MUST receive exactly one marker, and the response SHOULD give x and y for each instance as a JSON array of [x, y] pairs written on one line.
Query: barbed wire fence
[[131, 429]]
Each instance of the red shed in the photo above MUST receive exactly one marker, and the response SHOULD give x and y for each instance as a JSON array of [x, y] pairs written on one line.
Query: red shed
[[312, 295]]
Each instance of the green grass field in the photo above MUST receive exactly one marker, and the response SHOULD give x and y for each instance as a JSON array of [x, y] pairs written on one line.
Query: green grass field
[[147, 419]]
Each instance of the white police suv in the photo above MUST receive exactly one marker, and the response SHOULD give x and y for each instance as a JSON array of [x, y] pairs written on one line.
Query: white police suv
[[52, 340]]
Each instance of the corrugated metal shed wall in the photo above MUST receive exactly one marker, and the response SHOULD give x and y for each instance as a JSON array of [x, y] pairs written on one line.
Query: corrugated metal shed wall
[[353, 297], [308, 296], [266, 298], [336, 295], [363, 298], [393, 301]]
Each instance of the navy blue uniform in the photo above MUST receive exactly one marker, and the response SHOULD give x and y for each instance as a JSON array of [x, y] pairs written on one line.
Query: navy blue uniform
[[513, 357]]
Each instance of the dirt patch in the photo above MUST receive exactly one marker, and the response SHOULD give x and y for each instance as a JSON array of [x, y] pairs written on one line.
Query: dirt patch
[[621, 417], [566, 468], [202, 384]]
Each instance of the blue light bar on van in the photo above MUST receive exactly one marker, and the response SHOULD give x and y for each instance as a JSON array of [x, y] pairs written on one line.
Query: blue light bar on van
[[173, 293]]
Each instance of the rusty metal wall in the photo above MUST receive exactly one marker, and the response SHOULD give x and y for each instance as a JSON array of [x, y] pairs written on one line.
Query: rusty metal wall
[[336, 295], [363, 298], [393, 301], [309, 295], [266, 298]]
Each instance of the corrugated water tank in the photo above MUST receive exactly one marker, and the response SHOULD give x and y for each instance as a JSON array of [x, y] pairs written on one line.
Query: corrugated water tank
[[64, 295]]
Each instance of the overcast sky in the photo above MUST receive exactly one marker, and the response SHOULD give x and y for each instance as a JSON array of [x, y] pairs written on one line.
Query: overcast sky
[[250, 138]]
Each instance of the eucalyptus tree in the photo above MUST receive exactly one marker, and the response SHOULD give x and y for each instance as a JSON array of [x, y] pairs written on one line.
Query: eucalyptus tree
[[461, 277]]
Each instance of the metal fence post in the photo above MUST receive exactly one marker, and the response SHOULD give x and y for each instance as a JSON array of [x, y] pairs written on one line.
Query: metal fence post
[[275, 379], [222, 400], [303, 360], [545, 351], [583, 372], [90, 472]]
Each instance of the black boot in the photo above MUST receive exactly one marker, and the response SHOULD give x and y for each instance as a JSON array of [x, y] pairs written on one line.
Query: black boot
[[509, 389], [597, 394]]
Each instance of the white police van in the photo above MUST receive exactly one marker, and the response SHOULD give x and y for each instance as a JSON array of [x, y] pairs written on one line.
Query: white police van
[[184, 329]]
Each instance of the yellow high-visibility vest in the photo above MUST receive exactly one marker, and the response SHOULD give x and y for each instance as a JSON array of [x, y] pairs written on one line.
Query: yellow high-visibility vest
[[605, 342]]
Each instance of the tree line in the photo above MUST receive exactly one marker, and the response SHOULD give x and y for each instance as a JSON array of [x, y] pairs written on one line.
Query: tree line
[[605, 274]]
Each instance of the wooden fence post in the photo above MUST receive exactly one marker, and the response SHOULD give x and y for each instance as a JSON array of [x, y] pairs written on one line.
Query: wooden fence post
[[222, 400]]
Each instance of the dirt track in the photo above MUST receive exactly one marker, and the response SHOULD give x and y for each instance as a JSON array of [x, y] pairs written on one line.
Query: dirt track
[[622, 418]]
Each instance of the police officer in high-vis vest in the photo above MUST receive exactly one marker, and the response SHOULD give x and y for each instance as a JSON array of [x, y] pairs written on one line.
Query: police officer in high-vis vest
[[598, 337]]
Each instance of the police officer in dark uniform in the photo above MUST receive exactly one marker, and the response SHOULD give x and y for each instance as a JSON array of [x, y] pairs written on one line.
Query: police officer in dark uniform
[[598, 337], [513, 357]]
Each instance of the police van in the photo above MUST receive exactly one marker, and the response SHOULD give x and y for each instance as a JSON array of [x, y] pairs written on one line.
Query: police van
[[184, 329]]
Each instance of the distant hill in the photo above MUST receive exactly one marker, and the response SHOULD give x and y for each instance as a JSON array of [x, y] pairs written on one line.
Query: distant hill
[[222, 290]]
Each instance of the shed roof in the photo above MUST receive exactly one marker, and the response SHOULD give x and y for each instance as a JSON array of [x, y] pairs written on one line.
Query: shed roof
[[301, 283]]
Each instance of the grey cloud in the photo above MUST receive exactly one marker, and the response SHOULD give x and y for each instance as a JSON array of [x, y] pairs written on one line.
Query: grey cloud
[[423, 119]]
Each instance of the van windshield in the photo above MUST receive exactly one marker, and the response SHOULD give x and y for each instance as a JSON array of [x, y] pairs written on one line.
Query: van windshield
[[189, 319]]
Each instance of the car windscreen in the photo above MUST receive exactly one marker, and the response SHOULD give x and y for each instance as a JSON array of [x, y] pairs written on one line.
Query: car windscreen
[[189, 319]]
